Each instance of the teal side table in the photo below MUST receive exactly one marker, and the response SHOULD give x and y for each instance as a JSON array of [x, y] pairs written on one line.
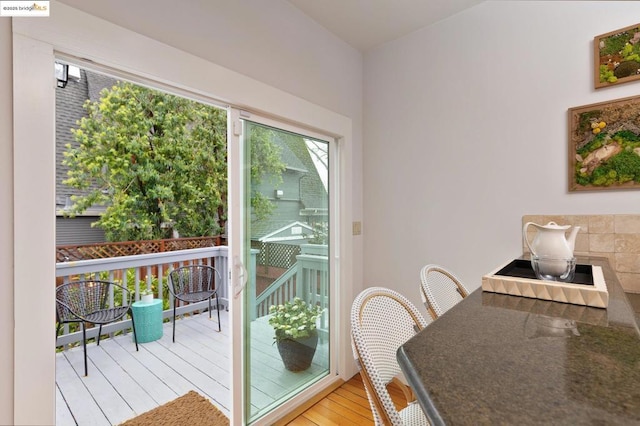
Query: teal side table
[[148, 318]]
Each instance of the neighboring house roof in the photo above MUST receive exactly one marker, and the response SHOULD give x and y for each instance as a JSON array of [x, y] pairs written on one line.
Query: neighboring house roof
[[309, 201], [290, 160], [312, 192], [290, 232]]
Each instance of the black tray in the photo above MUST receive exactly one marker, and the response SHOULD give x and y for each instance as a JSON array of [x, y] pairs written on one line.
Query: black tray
[[521, 268]]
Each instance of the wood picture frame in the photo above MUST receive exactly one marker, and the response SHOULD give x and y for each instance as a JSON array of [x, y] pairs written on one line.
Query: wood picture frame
[[604, 145], [617, 57]]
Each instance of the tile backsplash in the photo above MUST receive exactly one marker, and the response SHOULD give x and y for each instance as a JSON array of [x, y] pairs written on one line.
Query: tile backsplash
[[614, 236]]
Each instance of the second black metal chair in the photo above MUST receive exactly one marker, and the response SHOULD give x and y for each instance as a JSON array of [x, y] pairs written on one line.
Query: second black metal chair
[[194, 283]]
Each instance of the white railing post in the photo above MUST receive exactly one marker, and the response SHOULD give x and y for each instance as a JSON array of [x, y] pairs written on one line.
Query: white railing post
[[251, 287], [310, 272], [313, 285]]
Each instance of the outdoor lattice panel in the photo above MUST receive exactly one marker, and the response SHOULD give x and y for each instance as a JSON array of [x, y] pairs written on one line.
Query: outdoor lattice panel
[[130, 248], [278, 255]]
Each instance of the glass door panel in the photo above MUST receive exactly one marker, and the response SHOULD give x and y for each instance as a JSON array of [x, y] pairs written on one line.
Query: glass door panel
[[286, 299]]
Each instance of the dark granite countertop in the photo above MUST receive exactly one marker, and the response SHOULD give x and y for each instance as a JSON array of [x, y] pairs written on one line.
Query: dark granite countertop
[[500, 359]]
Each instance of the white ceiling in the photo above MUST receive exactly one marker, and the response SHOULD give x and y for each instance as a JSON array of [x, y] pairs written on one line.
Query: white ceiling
[[365, 24]]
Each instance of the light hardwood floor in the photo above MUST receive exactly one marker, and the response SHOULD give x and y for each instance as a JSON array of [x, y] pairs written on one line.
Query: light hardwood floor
[[347, 405]]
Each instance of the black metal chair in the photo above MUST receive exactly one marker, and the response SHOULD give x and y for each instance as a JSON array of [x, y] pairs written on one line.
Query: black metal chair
[[194, 283], [87, 301]]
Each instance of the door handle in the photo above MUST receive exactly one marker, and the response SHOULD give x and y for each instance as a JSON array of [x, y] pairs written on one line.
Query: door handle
[[242, 275]]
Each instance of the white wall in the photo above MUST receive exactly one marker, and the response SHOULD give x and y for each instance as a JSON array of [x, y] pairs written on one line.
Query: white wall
[[6, 224], [466, 131]]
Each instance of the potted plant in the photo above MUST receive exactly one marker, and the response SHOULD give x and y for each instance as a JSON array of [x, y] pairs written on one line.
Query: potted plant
[[295, 332], [146, 295]]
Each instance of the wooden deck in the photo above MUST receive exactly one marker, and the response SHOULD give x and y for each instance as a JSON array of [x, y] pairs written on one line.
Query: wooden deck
[[123, 383]]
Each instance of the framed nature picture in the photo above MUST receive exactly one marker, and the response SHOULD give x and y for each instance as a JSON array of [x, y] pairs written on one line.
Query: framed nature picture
[[617, 56], [604, 145]]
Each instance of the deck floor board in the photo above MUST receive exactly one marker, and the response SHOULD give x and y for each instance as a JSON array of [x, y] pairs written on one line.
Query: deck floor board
[[79, 399], [115, 408], [63, 413], [123, 383], [153, 386]]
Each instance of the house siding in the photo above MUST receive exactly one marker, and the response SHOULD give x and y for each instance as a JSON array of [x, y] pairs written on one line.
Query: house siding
[[77, 230]]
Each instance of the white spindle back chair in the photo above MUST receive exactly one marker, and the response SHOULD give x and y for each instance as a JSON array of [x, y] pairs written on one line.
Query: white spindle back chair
[[381, 321], [440, 289]]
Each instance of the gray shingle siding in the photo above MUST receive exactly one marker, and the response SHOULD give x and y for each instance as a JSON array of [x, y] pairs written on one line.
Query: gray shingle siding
[[77, 231], [69, 111], [301, 185]]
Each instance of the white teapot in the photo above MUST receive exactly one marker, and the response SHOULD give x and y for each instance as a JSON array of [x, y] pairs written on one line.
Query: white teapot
[[550, 240]]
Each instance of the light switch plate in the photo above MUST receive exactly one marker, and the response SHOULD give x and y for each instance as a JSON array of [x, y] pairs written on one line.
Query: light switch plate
[[357, 228]]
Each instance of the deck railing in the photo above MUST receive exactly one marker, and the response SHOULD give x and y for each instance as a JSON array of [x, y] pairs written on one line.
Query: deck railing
[[131, 248], [308, 279], [116, 268]]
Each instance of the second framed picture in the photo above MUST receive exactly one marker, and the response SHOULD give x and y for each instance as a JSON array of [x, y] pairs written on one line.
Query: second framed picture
[[604, 145], [617, 56]]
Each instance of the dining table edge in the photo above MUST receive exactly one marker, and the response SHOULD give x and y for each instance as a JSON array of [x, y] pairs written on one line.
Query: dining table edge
[[422, 395]]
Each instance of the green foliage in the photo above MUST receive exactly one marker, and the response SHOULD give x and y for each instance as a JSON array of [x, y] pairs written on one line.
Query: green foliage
[[603, 176], [630, 52], [619, 48], [626, 165], [594, 144], [158, 163], [615, 44], [633, 57], [585, 119], [625, 136], [582, 179], [320, 233], [295, 319], [606, 75], [626, 50], [142, 286], [621, 168], [265, 162]]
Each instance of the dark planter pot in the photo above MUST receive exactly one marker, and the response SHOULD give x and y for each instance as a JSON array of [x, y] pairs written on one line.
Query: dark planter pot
[[298, 354]]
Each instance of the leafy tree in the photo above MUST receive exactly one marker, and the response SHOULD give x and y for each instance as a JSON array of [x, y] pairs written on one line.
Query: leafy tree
[[265, 163], [158, 163]]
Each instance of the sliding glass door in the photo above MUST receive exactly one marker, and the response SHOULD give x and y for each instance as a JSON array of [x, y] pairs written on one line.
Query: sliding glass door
[[287, 246]]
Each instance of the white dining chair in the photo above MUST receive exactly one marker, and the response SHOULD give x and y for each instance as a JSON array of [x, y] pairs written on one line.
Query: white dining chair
[[440, 289], [381, 321]]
